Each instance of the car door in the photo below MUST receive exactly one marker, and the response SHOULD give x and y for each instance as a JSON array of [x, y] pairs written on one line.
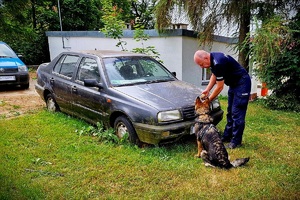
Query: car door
[[89, 102], [60, 81]]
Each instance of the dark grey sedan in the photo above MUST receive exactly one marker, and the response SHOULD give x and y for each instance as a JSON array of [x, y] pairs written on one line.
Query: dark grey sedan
[[133, 93]]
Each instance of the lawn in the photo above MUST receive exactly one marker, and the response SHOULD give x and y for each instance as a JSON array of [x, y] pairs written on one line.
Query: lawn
[[43, 156]]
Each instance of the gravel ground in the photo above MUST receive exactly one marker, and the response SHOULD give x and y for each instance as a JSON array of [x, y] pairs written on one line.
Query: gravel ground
[[15, 101]]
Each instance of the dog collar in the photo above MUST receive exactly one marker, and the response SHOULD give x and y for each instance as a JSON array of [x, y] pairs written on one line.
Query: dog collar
[[204, 130]]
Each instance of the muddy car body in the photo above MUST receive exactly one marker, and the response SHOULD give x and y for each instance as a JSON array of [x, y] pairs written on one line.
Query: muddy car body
[[132, 93]]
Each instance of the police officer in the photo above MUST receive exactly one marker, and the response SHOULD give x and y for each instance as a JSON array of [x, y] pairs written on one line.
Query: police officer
[[227, 70]]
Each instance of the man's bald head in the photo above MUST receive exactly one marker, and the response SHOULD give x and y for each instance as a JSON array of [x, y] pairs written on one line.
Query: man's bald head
[[202, 58]]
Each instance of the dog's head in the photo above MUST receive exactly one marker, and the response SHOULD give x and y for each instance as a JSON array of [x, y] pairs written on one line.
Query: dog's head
[[202, 105]]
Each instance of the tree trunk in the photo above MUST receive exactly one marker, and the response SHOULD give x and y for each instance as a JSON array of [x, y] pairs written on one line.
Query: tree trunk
[[243, 30], [33, 14]]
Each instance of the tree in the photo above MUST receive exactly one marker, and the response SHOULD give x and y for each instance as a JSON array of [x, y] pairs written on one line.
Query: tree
[[113, 23], [80, 15], [207, 16], [143, 12], [23, 23], [275, 48]]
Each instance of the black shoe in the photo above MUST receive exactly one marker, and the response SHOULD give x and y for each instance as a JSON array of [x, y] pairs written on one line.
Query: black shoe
[[225, 139], [233, 146]]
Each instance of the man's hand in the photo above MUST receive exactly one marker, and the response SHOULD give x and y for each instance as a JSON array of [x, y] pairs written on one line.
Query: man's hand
[[205, 92]]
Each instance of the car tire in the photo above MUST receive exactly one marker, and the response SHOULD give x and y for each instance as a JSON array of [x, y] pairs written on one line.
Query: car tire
[[51, 103], [122, 126]]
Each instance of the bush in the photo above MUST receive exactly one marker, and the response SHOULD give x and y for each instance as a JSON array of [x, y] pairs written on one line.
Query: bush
[[275, 48]]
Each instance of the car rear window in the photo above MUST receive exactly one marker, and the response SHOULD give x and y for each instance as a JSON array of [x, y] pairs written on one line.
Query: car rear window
[[66, 65]]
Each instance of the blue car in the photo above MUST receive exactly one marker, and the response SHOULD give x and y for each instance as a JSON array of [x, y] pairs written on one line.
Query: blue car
[[12, 70]]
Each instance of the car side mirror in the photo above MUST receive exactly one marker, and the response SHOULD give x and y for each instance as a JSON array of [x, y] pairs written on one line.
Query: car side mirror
[[174, 73], [92, 83]]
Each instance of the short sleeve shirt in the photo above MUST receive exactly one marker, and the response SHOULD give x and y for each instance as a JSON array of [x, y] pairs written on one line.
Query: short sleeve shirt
[[226, 68]]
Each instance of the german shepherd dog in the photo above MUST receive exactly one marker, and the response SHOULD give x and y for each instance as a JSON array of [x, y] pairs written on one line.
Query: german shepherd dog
[[210, 146]]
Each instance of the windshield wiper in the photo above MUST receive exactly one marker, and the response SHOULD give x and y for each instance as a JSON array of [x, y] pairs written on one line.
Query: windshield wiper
[[159, 80]]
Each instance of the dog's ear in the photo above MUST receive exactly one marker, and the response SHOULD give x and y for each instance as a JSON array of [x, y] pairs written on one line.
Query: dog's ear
[[197, 102]]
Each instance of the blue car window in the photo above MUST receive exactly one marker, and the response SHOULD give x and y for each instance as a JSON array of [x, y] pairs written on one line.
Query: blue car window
[[5, 51]]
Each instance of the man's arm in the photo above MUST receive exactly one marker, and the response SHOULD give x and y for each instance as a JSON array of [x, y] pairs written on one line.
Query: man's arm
[[212, 82], [219, 87]]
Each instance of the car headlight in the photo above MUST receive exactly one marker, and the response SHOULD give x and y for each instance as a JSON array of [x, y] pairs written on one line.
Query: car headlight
[[22, 68], [169, 115]]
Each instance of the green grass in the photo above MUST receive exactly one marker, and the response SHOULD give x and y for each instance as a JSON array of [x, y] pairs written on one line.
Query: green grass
[[43, 156]]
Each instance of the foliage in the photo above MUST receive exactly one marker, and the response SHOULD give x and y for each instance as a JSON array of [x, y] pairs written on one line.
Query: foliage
[[80, 15], [114, 26], [208, 17], [143, 11], [43, 158], [141, 36], [113, 23], [269, 41], [23, 23], [104, 135], [275, 48]]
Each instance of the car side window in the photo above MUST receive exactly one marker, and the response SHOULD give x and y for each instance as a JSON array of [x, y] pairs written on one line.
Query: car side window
[[88, 69], [66, 65]]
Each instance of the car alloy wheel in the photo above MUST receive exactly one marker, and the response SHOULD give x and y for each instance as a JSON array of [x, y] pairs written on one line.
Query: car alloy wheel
[[51, 104], [122, 126]]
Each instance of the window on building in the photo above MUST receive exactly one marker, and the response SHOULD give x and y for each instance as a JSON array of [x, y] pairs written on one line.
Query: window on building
[[206, 73]]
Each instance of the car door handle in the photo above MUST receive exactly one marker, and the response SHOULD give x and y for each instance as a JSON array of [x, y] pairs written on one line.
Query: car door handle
[[74, 88], [52, 80]]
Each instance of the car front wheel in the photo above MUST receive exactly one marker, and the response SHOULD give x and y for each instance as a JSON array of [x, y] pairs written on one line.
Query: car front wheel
[[122, 126], [51, 103]]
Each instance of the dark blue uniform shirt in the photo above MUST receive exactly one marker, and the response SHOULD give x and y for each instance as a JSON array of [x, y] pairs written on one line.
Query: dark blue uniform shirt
[[226, 68]]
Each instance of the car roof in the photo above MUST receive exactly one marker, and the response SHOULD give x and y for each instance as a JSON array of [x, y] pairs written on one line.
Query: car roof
[[111, 53]]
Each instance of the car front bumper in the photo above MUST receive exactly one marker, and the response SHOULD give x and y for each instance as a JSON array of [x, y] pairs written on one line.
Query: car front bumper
[[153, 134], [14, 79]]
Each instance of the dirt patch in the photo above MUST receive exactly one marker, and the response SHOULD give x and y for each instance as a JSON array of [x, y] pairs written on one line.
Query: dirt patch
[[15, 101]]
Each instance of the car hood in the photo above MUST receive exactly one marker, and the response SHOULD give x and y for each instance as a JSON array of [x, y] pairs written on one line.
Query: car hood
[[10, 62], [163, 95]]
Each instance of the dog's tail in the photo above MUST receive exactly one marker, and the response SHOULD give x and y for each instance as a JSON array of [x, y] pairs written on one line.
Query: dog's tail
[[240, 162]]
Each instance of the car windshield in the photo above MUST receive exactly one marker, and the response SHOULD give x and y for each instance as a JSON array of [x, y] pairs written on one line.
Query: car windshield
[[135, 70], [6, 52]]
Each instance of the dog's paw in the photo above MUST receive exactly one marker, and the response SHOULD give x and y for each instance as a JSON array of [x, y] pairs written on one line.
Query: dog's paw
[[208, 165], [203, 153], [197, 156]]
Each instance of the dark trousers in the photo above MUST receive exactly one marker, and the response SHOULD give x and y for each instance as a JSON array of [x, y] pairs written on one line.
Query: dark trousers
[[238, 98]]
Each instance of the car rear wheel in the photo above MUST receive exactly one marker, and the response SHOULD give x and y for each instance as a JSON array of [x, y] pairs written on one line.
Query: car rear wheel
[[122, 126], [51, 103]]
